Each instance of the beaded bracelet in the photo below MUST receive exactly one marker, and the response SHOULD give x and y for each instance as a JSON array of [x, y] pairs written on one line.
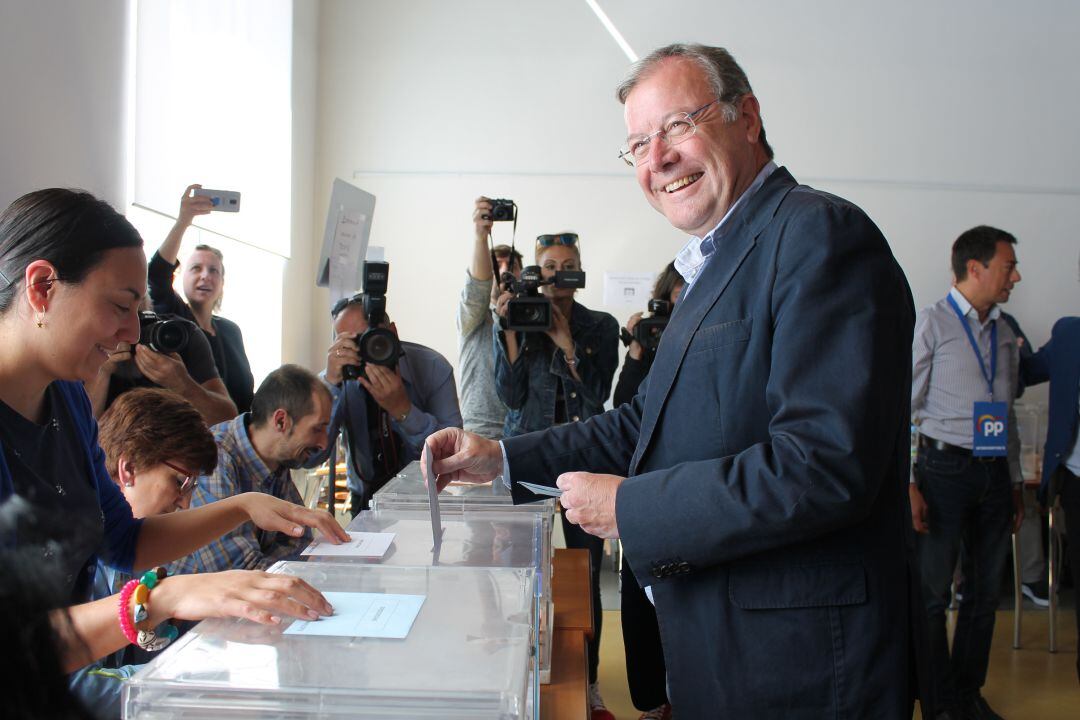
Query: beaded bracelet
[[126, 625], [135, 626]]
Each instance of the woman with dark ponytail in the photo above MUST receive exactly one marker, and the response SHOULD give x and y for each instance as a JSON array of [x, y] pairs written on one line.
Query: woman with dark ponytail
[[72, 273]]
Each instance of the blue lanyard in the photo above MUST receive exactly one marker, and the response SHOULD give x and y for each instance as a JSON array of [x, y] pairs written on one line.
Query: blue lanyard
[[975, 346]]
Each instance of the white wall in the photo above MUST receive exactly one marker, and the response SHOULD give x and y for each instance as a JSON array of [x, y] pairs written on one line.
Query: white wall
[[62, 83], [935, 117]]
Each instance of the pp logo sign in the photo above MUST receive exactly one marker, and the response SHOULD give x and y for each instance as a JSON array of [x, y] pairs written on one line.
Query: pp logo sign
[[991, 427]]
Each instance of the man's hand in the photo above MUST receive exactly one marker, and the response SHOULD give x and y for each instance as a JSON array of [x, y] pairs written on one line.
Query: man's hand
[[919, 510], [482, 218], [343, 352], [123, 352], [635, 351], [168, 371], [387, 388], [461, 456], [1018, 507], [192, 205], [588, 500]]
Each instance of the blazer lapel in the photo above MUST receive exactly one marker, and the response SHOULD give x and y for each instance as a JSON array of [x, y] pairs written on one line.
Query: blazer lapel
[[706, 292]]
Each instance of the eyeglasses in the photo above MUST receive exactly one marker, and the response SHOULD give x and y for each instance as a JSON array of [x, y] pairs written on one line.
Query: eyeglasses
[[188, 483], [344, 303], [676, 128], [546, 241]]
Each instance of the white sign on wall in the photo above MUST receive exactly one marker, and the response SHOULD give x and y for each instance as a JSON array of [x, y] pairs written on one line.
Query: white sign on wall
[[628, 289]]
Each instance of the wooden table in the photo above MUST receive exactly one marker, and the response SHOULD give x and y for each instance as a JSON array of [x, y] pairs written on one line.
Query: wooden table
[[566, 696]]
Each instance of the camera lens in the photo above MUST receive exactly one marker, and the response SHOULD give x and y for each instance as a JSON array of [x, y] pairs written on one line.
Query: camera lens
[[379, 346]]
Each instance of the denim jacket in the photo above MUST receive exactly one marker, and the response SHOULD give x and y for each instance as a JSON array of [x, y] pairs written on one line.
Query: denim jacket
[[528, 386]]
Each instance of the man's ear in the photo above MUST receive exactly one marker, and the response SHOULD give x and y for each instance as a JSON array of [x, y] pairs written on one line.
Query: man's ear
[[281, 420], [125, 472]]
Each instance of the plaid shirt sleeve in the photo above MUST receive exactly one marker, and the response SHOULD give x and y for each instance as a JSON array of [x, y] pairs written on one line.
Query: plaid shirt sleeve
[[246, 547]]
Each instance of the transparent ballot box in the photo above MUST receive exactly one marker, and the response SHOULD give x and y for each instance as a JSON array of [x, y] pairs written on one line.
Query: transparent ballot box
[[406, 491], [467, 655], [471, 539]]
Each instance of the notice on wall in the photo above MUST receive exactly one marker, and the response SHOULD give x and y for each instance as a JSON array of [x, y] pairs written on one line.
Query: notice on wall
[[628, 289], [345, 254]]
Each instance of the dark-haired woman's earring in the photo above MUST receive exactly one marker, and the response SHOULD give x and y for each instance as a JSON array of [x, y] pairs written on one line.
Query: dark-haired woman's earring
[[41, 319]]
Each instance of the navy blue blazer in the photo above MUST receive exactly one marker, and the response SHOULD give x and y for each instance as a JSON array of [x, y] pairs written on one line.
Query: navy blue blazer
[[767, 459], [1059, 362]]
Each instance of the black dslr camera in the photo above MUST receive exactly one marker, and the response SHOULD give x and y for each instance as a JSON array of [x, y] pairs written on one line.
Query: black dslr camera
[[502, 210], [528, 310], [377, 345], [164, 335], [649, 329]]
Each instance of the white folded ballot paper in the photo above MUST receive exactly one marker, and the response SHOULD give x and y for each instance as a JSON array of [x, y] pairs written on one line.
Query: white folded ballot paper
[[361, 544], [541, 489], [433, 501]]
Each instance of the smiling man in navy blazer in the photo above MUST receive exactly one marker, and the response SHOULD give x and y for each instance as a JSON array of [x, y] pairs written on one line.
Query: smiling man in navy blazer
[[1059, 362], [759, 479]]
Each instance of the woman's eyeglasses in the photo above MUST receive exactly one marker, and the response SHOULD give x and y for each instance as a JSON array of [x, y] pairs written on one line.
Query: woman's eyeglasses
[[187, 483]]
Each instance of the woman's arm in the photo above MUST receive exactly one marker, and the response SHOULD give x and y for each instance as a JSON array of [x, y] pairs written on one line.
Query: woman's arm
[[165, 538], [92, 630]]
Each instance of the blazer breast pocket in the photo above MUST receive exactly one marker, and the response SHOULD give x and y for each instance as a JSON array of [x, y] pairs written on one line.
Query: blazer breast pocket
[[712, 337]]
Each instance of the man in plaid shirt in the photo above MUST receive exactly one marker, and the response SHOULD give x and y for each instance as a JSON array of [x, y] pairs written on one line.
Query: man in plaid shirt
[[287, 425]]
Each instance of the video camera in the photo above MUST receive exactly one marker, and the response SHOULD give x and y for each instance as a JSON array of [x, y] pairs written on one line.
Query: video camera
[[377, 345], [164, 335], [649, 329], [528, 310]]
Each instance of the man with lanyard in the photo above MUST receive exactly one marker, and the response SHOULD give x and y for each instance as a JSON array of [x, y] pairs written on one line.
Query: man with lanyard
[[965, 366]]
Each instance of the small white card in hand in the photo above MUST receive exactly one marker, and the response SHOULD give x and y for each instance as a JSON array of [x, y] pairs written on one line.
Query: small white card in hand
[[361, 544], [541, 489], [374, 615]]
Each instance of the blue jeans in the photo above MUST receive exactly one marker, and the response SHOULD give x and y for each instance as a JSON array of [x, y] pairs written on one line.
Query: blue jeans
[[969, 502]]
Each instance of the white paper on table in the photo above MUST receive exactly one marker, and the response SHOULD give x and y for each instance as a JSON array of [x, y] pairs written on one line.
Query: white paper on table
[[628, 289], [374, 615], [361, 544]]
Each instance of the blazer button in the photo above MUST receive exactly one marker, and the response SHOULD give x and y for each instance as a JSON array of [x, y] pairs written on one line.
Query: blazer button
[[588, 351], [573, 394], [575, 418]]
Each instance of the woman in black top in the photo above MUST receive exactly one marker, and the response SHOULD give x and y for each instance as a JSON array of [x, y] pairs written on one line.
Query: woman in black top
[[72, 272], [646, 673], [204, 280]]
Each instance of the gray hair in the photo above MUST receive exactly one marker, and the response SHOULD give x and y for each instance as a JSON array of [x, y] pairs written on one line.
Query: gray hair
[[723, 74]]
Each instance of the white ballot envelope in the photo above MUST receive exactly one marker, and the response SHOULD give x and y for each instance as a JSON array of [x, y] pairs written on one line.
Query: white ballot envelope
[[541, 489]]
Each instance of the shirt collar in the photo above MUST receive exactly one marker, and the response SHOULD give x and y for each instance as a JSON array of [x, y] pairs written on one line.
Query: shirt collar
[[239, 428], [966, 308], [697, 250]]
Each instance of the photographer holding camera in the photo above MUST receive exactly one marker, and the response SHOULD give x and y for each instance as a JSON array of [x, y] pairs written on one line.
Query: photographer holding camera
[[557, 372], [482, 410], [171, 354], [388, 395], [204, 282], [666, 290]]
